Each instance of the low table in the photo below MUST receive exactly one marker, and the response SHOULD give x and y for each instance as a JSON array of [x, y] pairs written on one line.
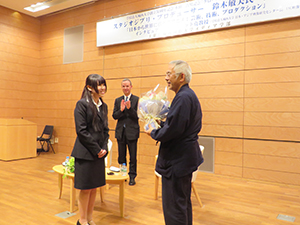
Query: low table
[[117, 178]]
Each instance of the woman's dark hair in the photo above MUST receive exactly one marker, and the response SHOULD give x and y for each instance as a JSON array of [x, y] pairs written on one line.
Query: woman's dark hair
[[93, 80]]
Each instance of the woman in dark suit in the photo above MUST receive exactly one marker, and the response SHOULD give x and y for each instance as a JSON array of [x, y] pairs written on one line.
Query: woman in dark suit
[[90, 147]]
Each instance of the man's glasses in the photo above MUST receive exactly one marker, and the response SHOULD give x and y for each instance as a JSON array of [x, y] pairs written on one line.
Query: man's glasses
[[169, 74]]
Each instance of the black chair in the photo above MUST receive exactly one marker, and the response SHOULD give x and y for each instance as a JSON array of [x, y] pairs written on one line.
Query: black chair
[[44, 140]]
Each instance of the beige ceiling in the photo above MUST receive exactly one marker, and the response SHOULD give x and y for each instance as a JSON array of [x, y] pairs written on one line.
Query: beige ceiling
[[57, 5]]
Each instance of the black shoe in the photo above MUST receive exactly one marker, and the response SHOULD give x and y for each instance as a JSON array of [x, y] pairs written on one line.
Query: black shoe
[[132, 181], [78, 223]]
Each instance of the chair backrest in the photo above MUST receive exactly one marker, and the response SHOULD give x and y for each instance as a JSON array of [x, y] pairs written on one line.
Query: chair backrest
[[47, 133], [156, 173], [108, 158], [196, 172]]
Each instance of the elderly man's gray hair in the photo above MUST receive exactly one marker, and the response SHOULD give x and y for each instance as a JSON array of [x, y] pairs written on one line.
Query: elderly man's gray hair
[[181, 66]]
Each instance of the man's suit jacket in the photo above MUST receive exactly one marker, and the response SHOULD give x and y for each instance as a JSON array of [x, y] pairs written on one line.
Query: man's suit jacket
[[179, 152], [128, 118], [89, 142]]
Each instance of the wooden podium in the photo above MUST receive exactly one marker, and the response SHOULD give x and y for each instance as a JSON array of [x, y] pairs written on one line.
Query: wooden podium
[[17, 139]]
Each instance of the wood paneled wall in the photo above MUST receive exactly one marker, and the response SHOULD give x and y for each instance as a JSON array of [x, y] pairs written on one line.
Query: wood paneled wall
[[247, 80], [19, 64]]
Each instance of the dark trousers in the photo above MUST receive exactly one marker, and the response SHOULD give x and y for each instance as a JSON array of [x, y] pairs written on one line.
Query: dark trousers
[[176, 200], [122, 149]]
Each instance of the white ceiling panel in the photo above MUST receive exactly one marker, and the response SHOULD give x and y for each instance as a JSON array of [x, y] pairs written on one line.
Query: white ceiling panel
[[55, 5]]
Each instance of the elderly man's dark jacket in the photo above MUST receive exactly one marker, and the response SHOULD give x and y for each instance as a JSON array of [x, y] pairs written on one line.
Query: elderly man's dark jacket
[[179, 152]]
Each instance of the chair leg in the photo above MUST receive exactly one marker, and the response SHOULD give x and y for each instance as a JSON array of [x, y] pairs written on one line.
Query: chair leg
[[50, 146], [196, 194], [52, 149], [42, 146], [156, 181]]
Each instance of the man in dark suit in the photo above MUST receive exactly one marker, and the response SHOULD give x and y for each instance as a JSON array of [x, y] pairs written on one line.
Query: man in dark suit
[[179, 154], [127, 128]]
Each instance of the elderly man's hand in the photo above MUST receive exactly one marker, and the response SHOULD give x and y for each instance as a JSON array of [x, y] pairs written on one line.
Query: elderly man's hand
[[149, 130]]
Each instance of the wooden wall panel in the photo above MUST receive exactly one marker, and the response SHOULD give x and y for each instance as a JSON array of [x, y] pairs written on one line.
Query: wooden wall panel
[[122, 72], [132, 61], [221, 78], [279, 119], [125, 50], [278, 104], [93, 55], [19, 66], [271, 102], [229, 158], [291, 44], [272, 148], [55, 69], [272, 176], [217, 130], [154, 70], [273, 90], [274, 163], [221, 104], [218, 65], [229, 145], [147, 149], [271, 94], [227, 170], [223, 118], [286, 59], [53, 41], [205, 53], [289, 74], [273, 30], [220, 91], [149, 82], [272, 133], [20, 59]]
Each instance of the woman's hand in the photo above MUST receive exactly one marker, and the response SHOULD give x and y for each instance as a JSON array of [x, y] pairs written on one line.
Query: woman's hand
[[102, 153]]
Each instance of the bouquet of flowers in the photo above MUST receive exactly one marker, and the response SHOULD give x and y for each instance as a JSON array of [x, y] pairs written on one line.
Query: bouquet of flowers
[[69, 167], [153, 105]]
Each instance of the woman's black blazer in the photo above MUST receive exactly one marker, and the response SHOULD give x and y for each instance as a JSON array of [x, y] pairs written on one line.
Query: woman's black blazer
[[89, 142]]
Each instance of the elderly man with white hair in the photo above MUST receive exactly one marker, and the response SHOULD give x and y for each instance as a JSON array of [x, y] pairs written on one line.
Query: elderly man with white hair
[[179, 154]]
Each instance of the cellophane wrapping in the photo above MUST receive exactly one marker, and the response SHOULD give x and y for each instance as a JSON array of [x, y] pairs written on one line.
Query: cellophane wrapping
[[153, 106]]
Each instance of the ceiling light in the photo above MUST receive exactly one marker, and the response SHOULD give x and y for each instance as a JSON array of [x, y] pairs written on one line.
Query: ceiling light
[[37, 7]]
